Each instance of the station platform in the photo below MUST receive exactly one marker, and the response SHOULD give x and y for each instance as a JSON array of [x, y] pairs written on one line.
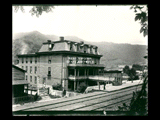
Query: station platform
[[110, 87]]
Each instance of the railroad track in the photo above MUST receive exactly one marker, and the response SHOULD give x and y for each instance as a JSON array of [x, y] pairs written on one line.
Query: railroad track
[[92, 101]]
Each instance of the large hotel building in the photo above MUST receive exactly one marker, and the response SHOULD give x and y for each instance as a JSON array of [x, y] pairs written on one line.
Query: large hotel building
[[62, 62]]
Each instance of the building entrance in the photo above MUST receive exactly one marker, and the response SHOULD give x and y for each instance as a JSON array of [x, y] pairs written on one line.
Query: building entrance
[[70, 85]]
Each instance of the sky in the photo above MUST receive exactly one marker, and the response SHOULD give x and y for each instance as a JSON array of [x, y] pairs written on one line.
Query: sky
[[102, 23]]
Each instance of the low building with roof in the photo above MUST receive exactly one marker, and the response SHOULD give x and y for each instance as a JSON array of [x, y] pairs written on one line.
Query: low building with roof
[[18, 82]]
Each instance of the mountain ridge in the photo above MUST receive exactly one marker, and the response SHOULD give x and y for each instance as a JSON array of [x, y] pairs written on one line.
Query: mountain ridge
[[113, 53]]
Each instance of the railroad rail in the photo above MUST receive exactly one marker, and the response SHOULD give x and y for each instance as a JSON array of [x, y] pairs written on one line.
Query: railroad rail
[[86, 102]]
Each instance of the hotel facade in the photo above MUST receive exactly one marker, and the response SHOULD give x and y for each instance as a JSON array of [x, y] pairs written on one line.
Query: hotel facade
[[62, 62]]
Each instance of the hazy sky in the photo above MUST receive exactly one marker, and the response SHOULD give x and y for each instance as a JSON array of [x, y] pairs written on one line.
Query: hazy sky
[[102, 23]]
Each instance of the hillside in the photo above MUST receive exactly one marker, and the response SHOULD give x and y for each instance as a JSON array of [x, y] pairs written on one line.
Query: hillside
[[113, 54], [124, 54]]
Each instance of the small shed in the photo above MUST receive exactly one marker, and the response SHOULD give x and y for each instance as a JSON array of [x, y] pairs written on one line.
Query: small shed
[[116, 75], [18, 81]]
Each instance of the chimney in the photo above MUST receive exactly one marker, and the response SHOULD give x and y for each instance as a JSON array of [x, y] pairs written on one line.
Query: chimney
[[49, 41], [82, 42], [61, 38]]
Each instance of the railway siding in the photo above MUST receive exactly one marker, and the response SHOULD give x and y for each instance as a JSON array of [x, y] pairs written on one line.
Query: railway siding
[[91, 101]]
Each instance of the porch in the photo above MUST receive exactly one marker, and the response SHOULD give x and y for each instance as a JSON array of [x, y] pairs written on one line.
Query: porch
[[78, 73]]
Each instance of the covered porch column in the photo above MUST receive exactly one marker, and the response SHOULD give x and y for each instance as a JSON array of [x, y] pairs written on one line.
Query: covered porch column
[[74, 79], [85, 75], [78, 78], [74, 85], [104, 85], [98, 84]]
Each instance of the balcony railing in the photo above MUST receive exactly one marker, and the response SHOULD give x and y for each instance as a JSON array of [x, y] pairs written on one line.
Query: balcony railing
[[93, 77], [86, 65], [101, 78], [77, 77]]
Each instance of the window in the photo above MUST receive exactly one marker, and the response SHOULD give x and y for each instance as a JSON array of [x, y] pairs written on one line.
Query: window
[[49, 59], [35, 59], [50, 46], [44, 80], [76, 60], [26, 68], [84, 60], [26, 77], [35, 80], [70, 46], [26, 59], [17, 61], [31, 60], [70, 60], [30, 78], [95, 61], [30, 69], [35, 71], [22, 60], [49, 73], [22, 67], [49, 70]]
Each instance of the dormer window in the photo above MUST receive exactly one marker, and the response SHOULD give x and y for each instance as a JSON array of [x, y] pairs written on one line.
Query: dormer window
[[77, 48], [31, 60], [81, 48], [91, 50], [71, 46], [26, 59], [22, 60], [85, 50], [96, 50], [50, 46], [76, 44]]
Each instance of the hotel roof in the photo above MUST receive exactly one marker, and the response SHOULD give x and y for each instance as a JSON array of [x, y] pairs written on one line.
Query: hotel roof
[[73, 42], [62, 47]]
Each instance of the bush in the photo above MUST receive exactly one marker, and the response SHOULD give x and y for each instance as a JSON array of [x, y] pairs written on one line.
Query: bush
[[63, 93], [57, 87], [136, 77], [81, 88]]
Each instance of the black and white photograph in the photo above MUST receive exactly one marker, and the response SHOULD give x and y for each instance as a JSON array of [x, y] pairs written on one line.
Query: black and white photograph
[[80, 60]]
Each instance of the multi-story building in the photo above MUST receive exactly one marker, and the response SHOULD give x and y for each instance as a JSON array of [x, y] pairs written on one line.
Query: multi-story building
[[62, 62]]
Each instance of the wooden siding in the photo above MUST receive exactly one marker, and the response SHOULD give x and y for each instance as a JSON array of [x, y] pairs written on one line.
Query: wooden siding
[[17, 74]]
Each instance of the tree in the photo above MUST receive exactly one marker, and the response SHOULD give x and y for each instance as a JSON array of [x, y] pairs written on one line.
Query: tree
[[36, 10], [132, 74], [126, 69], [81, 88], [137, 67], [142, 16], [139, 100]]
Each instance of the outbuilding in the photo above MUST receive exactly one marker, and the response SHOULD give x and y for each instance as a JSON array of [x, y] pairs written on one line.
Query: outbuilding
[[18, 82]]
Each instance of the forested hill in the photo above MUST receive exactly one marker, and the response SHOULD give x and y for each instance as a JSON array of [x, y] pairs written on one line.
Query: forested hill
[[113, 54]]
